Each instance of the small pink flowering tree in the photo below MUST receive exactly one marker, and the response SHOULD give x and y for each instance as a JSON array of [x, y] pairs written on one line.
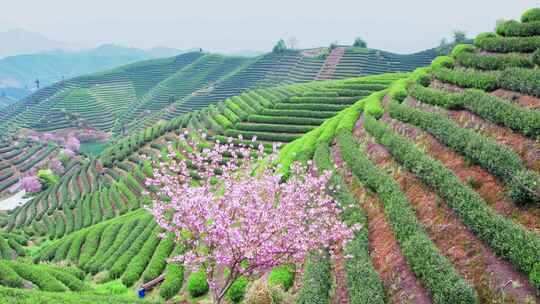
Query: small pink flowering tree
[[73, 143], [56, 166], [31, 184], [240, 217]]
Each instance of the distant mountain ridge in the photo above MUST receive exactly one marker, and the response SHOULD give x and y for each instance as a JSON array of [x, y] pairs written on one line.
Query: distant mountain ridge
[[20, 41], [19, 73], [132, 97]]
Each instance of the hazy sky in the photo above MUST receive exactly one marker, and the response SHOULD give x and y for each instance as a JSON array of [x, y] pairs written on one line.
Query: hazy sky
[[232, 25]]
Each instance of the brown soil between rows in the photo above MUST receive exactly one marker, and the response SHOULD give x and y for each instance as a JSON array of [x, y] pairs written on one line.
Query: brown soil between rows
[[401, 285], [340, 294], [485, 184], [526, 148], [494, 279], [523, 100], [526, 101]]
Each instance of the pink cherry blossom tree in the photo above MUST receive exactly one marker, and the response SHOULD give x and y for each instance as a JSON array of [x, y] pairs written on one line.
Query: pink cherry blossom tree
[[56, 166], [31, 184], [73, 143], [240, 216]]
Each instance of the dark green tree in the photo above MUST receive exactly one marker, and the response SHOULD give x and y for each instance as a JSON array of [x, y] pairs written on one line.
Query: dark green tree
[[280, 46], [460, 36], [360, 43]]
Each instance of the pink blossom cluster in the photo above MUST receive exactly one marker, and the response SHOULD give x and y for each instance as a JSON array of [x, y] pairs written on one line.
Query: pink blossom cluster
[[31, 183], [72, 143], [56, 166], [240, 215]]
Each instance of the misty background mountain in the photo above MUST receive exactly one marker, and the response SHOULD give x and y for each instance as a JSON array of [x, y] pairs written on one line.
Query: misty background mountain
[[29, 56]]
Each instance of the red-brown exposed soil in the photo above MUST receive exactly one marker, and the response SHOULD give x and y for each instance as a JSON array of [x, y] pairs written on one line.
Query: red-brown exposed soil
[[526, 101], [485, 184], [399, 282], [340, 295], [528, 149], [494, 279]]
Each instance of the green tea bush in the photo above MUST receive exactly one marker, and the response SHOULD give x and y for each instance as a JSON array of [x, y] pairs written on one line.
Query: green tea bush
[[246, 126], [467, 78], [117, 200], [525, 81], [507, 239], [174, 279], [70, 220], [69, 280], [492, 62], [443, 62], [282, 276], [502, 112], [311, 107], [484, 105], [317, 280], [513, 28], [363, 282], [435, 271], [197, 285], [76, 246], [60, 226], [374, 109], [5, 250], [37, 276], [87, 211], [20, 251], [536, 57], [285, 120], [460, 49], [8, 276], [490, 155], [298, 113], [237, 290], [91, 244], [323, 100], [531, 15], [108, 248], [508, 44], [119, 259], [62, 251], [435, 97], [159, 260], [138, 264], [268, 136]]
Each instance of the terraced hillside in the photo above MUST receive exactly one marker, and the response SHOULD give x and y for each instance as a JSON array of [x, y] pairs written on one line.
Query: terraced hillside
[[115, 180], [440, 167], [137, 95], [19, 157], [93, 217], [447, 179]]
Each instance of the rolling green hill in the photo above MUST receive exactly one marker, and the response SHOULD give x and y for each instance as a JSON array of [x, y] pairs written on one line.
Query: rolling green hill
[[448, 178], [19, 73], [93, 217], [439, 166], [139, 95]]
